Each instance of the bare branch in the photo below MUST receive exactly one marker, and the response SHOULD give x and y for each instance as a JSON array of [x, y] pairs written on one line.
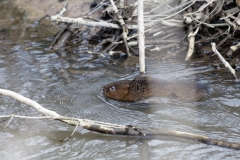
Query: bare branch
[[223, 60], [141, 37], [108, 128], [191, 40]]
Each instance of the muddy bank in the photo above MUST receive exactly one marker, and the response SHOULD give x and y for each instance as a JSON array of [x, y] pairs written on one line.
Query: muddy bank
[[37, 9]]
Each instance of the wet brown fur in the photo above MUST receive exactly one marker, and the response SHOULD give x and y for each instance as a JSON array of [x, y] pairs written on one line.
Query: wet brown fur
[[142, 87]]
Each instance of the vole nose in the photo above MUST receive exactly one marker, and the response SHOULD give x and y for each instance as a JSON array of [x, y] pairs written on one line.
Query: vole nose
[[105, 90]]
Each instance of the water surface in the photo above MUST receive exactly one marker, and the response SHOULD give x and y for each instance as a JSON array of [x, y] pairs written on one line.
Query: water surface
[[72, 86]]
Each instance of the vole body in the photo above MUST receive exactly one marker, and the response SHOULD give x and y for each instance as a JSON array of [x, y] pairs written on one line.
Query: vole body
[[143, 87]]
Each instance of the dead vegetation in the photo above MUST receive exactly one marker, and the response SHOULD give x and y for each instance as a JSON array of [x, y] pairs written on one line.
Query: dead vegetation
[[114, 29]]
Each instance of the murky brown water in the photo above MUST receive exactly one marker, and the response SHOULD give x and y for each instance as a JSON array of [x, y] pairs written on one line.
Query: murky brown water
[[72, 87]]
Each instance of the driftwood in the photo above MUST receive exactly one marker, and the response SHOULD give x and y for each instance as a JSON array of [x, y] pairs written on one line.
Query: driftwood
[[108, 128]]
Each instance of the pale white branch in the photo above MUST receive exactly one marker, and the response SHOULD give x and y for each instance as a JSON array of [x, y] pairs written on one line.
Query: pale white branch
[[191, 40], [85, 123], [141, 37], [214, 49]]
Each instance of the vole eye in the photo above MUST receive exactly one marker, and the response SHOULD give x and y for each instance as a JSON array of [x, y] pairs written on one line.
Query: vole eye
[[112, 88]]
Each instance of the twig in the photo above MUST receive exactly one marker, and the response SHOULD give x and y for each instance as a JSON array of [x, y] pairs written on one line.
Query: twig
[[191, 40], [74, 130], [235, 26], [27, 117], [89, 23], [223, 60], [228, 36], [58, 36], [123, 25], [79, 20], [235, 47], [9, 120]]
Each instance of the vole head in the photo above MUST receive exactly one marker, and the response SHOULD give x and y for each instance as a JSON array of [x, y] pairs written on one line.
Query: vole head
[[117, 90]]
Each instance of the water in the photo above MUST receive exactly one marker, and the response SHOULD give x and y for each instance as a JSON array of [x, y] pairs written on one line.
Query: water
[[72, 86]]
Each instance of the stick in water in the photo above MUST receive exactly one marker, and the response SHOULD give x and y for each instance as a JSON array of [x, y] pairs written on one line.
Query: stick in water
[[223, 60], [108, 128], [141, 38]]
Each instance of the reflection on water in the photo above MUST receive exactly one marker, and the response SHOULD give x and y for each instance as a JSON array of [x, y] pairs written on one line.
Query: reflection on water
[[48, 79]]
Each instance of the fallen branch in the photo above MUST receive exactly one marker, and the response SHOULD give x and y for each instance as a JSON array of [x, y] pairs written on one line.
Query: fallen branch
[[223, 60], [82, 21], [88, 23], [108, 128]]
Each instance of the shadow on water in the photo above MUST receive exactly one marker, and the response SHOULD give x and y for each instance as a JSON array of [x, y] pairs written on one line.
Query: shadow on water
[[72, 86]]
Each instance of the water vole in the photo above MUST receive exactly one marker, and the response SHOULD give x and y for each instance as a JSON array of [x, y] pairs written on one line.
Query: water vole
[[143, 87]]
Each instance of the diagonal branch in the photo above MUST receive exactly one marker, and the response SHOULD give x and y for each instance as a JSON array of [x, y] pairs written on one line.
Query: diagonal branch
[[108, 128]]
